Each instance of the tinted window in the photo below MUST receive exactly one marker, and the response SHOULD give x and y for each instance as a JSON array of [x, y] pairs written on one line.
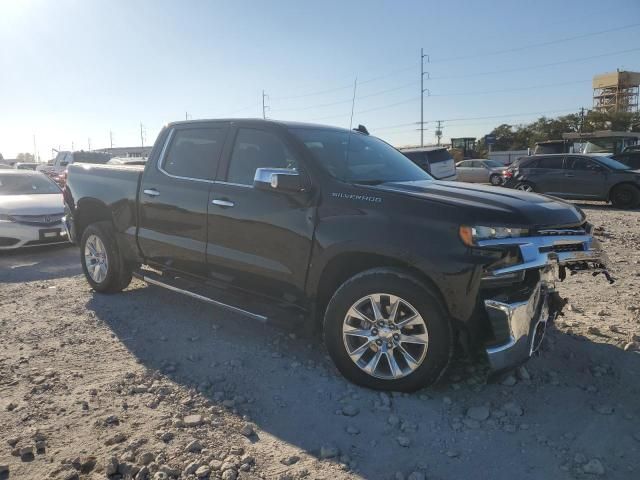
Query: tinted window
[[435, 156], [194, 153], [581, 163], [257, 149], [547, 162], [465, 164], [357, 158]]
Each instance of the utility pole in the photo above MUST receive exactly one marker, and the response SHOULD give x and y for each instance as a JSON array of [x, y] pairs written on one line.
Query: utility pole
[[422, 90], [581, 119], [110, 139], [264, 105], [34, 148], [439, 131], [89, 143], [141, 135]]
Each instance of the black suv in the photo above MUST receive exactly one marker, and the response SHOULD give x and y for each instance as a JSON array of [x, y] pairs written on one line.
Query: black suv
[[578, 177]]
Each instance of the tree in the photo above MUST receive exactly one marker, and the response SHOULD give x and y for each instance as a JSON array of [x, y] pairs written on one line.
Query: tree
[[24, 157]]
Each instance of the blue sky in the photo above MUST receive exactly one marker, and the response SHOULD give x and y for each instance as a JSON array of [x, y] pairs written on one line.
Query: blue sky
[[75, 70]]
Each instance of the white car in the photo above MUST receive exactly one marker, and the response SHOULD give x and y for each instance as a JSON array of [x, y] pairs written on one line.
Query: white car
[[480, 170], [31, 210]]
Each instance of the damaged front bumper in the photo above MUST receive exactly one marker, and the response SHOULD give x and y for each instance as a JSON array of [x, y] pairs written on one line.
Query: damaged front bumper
[[518, 316]]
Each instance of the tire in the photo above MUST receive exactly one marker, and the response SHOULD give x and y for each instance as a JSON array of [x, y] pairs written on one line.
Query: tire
[[525, 187], [99, 246], [625, 196], [431, 324], [496, 179]]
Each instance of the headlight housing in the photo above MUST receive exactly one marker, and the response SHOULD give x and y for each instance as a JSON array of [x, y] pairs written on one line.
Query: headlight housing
[[5, 218], [471, 235]]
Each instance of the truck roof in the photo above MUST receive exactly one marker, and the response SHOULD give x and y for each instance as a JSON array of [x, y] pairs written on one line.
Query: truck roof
[[281, 123]]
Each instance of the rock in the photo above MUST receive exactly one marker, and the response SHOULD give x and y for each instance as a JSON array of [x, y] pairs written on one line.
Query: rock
[[216, 465], [127, 470], [630, 346], [604, 409], [403, 441], [4, 468], [513, 409], [111, 466], [41, 446], [85, 464], [247, 430], [25, 452], [290, 460], [13, 441], [160, 476], [194, 447], [416, 476], [203, 471], [229, 475], [478, 413], [593, 467], [166, 437], [117, 438], [509, 381], [191, 468], [111, 420], [146, 458], [236, 451], [352, 430], [329, 451], [143, 474], [350, 410], [523, 373], [12, 406], [193, 420], [393, 420]]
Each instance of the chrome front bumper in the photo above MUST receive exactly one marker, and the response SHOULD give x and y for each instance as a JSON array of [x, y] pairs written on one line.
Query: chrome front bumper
[[519, 321]]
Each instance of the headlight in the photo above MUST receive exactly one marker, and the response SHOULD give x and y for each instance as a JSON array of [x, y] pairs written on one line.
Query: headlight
[[472, 235], [5, 218]]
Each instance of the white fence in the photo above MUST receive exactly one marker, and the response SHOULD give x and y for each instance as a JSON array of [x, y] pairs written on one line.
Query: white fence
[[508, 156]]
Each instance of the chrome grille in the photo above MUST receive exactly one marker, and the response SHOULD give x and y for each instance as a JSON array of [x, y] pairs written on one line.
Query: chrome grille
[[38, 220]]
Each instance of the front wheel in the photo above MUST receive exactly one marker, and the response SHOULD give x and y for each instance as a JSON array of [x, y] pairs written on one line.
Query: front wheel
[[103, 265], [385, 330], [625, 197]]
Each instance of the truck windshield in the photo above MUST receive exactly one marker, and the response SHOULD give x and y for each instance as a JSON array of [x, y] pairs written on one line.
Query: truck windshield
[[368, 160]]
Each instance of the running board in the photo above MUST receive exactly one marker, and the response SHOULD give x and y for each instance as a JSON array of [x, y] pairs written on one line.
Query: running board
[[152, 281]]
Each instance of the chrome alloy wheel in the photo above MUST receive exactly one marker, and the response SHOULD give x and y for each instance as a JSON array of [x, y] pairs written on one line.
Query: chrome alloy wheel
[[525, 187], [385, 336], [95, 259]]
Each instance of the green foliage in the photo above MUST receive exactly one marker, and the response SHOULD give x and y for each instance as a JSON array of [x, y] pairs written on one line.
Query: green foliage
[[25, 157], [521, 137]]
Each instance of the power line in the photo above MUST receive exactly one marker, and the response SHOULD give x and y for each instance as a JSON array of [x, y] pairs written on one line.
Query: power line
[[540, 44]]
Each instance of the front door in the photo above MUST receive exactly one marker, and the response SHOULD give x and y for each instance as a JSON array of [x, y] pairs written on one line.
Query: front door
[[174, 197], [259, 240], [584, 178]]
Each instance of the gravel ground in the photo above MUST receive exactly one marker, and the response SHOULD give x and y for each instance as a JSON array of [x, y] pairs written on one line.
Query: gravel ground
[[150, 384]]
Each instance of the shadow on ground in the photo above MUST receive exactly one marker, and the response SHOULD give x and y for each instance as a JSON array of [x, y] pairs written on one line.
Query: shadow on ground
[[298, 395], [39, 263]]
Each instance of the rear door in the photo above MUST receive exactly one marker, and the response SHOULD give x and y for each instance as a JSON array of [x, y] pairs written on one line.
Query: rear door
[[174, 196], [441, 163], [546, 174], [259, 241], [584, 178]]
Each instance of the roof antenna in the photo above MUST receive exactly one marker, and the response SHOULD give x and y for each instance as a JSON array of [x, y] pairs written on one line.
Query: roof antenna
[[353, 104]]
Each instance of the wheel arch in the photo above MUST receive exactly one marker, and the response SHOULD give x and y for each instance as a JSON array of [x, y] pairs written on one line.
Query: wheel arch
[[88, 211], [348, 264], [619, 184]]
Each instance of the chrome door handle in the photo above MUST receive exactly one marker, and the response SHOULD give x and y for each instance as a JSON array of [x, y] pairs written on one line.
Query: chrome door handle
[[222, 203], [151, 192]]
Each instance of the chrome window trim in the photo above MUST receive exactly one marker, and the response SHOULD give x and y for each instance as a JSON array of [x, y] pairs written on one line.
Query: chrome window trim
[[220, 182], [162, 159]]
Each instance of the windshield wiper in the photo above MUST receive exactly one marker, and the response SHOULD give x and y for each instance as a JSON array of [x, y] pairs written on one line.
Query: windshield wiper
[[369, 182]]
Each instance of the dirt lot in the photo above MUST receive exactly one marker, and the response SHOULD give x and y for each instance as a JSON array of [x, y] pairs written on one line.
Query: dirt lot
[[153, 384]]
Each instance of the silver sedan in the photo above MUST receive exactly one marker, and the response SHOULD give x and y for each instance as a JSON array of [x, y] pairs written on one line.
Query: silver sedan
[[31, 210], [481, 171]]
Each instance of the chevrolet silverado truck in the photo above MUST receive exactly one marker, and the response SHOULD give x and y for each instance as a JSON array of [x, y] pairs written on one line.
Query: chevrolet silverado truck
[[336, 230]]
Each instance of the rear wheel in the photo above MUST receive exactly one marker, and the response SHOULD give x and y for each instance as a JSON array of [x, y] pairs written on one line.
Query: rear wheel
[[496, 179], [103, 265], [625, 196], [385, 330], [525, 187]]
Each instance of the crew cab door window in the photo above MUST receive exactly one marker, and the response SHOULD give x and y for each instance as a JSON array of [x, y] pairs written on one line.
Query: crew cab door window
[[255, 149], [194, 153]]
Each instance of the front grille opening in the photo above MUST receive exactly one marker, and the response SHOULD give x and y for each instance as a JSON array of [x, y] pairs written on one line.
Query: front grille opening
[[572, 247], [8, 241]]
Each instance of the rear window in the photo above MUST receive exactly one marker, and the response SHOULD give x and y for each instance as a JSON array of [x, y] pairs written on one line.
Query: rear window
[[436, 156]]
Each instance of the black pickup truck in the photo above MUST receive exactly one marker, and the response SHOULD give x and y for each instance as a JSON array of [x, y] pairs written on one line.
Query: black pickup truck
[[333, 229]]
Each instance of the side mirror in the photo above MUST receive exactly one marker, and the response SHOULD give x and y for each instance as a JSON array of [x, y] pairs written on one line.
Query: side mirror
[[279, 179]]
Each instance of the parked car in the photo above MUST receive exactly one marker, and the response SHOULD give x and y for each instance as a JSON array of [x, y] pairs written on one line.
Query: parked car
[[64, 159], [630, 157], [578, 177], [5, 166], [31, 210], [337, 230], [480, 171], [437, 161], [25, 166]]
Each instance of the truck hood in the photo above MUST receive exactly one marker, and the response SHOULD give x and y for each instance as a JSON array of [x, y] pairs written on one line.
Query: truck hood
[[40, 204], [484, 205]]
